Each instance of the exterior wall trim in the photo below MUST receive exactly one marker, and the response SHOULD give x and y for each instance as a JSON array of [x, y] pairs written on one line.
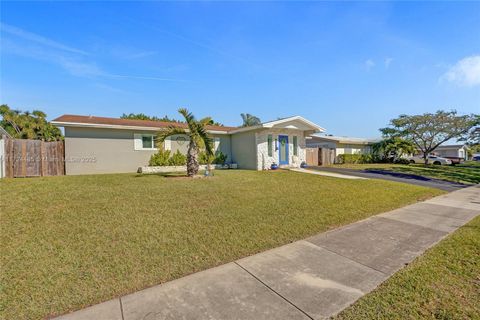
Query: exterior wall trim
[[121, 127]]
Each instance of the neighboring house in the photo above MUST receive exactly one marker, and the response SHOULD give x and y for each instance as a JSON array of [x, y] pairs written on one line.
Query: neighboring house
[[111, 145], [457, 151], [340, 145]]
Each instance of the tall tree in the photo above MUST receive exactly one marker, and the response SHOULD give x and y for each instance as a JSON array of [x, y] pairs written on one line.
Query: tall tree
[[198, 136], [28, 125], [429, 130], [249, 120]]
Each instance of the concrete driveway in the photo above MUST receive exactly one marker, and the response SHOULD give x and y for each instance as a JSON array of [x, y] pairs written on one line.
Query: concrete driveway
[[313, 278], [396, 176]]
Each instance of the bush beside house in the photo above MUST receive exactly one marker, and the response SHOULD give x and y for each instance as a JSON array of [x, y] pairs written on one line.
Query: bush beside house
[[164, 158]]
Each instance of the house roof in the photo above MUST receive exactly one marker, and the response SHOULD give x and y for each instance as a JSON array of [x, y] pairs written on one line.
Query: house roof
[[451, 146], [294, 122], [68, 120], [343, 139]]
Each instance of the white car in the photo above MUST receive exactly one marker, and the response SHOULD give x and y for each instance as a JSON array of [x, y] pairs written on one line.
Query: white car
[[430, 160]]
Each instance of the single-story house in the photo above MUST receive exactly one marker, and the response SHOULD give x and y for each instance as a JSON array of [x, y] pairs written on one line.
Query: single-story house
[[337, 145], [110, 145], [454, 151]]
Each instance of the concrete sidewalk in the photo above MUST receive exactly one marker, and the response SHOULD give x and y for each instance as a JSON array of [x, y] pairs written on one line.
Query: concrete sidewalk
[[309, 279], [329, 174]]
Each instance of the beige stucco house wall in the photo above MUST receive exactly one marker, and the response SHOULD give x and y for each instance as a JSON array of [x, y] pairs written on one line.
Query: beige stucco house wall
[[98, 150], [94, 150], [244, 150]]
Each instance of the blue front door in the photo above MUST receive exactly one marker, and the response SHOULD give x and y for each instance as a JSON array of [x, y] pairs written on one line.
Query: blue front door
[[283, 149]]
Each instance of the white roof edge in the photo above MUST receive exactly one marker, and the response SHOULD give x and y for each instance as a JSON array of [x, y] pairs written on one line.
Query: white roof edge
[[270, 124], [350, 140], [116, 126]]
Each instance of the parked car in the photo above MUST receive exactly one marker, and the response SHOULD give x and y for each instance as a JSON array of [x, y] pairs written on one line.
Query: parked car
[[430, 160], [476, 158]]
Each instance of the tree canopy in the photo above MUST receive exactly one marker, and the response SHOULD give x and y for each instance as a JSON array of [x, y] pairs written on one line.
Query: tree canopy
[[142, 116], [429, 130], [249, 120], [28, 125]]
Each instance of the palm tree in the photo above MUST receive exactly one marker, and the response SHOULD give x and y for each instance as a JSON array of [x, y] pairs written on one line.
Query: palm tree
[[249, 120], [199, 138]]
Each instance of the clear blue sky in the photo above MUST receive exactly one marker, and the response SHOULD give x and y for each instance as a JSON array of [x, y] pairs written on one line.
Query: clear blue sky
[[350, 67]]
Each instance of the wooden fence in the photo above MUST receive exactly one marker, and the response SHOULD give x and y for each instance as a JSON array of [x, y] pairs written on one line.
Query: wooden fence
[[320, 156], [34, 158]]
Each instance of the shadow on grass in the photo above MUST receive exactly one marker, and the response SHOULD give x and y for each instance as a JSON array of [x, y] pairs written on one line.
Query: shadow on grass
[[201, 174]]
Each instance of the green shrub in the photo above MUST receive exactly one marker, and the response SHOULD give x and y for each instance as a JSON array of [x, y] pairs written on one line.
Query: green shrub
[[178, 159], [357, 158], [402, 161], [204, 159], [348, 158], [161, 158], [220, 158]]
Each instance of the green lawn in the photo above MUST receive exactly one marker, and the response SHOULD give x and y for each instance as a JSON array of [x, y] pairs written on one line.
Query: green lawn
[[466, 173], [71, 241], [442, 284]]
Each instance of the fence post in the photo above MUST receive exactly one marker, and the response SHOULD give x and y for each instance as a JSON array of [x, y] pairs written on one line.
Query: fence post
[[2, 156], [9, 158], [43, 168]]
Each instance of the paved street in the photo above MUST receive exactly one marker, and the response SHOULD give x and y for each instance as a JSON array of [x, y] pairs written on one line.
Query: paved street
[[394, 176]]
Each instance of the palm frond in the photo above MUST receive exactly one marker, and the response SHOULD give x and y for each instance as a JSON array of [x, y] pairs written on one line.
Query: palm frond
[[189, 118], [205, 138], [170, 131], [206, 121]]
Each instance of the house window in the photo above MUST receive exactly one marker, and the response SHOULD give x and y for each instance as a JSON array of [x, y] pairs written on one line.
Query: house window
[[147, 142], [295, 146], [144, 141], [270, 145]]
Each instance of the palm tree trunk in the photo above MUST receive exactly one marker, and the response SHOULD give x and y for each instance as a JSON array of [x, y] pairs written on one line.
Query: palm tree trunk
[[192, 159]]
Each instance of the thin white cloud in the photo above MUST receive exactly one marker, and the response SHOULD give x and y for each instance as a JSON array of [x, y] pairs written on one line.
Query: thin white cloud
[[38, 39], [369, 64], [388, 62], [74, 61], [85, 69], [140, 55], [465, 73]]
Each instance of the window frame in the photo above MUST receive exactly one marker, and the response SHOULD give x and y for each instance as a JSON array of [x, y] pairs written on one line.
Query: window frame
[[139, 137]]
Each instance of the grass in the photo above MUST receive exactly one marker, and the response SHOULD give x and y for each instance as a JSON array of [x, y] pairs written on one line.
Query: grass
[[467, 173], [71, 241], [442, 284]]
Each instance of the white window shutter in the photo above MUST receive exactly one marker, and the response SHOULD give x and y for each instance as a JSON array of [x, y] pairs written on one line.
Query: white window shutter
[[216, 144], [167, 144], [137, 141]]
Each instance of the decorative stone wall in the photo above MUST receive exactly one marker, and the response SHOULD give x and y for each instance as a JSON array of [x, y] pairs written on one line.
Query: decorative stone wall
[[264, 161], [164, 169]]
